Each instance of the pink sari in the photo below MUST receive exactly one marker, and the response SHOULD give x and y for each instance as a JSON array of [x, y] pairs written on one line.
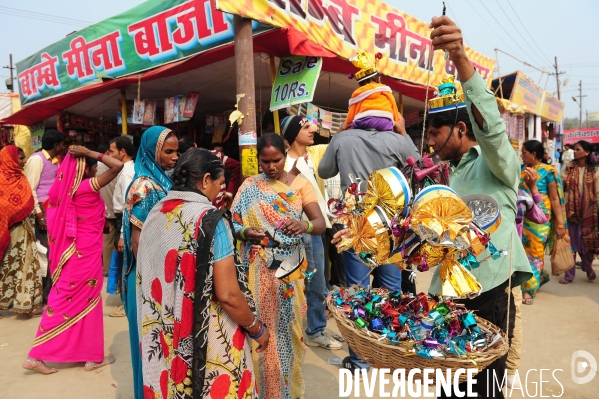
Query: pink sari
[[72, 327]]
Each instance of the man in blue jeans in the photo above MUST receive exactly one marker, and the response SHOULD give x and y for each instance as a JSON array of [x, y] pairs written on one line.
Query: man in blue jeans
[[361, 152], [316, 292]]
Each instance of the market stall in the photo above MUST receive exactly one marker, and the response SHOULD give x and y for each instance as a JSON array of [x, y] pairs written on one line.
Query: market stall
[[156, 52]]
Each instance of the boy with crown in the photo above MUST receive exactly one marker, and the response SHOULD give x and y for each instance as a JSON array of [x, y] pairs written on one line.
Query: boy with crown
[[372, 106]]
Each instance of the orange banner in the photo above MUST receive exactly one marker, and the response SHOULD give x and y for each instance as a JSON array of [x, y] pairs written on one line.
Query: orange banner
[[371, 25]]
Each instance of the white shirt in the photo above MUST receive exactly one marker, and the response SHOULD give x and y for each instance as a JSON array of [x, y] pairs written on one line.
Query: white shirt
[[568, 156], [122, 183]]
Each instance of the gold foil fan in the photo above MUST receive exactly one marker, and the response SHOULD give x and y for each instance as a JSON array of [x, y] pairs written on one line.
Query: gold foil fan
[[389, 189], [440, 217]]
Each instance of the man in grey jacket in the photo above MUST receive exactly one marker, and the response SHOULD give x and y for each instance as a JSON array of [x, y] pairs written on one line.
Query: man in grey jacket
[[361, 152]]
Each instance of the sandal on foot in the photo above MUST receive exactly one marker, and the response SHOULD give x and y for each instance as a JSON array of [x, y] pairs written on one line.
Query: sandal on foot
[[591, 275], [37, 311], [38, 366], [91, 366], [564, 281], [527, 300]]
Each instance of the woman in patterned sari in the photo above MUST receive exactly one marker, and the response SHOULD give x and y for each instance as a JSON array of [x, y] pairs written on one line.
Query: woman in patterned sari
[[537, 237], [156, 155], [192, 295], [72, 326], [267, 214], [20, 271], [581, 182]]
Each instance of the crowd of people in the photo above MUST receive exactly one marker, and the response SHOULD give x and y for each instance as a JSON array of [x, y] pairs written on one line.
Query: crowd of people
[[216, 274]]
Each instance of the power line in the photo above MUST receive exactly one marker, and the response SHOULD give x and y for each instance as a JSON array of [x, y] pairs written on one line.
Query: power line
[[524, 62], [35, 17], [489, 25], [505, 30], [518, 31], [44, 14], [526, 29]]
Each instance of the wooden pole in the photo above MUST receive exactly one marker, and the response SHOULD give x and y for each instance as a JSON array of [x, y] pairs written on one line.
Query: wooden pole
[[124, 110], [244, 73], [275, 114], [400, 103]]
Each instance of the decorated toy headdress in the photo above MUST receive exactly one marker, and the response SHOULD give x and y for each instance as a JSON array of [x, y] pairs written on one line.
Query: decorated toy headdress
[[447, 97], [367, 68]]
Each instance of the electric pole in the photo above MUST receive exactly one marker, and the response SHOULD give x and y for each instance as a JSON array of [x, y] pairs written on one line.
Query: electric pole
[[10, 86], [579, 101], [557, 73]]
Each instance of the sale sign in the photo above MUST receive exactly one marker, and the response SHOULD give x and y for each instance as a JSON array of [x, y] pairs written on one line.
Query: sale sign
[[295, 81]]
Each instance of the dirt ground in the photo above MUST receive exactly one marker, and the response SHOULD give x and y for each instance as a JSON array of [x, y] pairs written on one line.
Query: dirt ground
[[562, 320]]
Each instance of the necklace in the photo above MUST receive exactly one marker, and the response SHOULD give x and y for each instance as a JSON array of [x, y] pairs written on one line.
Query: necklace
[[286, 178]]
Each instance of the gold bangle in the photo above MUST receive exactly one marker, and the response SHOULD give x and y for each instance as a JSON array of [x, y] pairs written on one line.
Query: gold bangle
[[561, 226]]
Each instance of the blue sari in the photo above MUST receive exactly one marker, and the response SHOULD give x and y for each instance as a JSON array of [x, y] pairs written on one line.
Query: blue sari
[[150, 184]]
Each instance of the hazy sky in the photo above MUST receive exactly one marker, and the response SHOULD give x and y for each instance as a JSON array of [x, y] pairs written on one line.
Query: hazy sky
[[558, 28]]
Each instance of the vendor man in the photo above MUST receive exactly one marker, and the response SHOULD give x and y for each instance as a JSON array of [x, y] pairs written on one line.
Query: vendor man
[[484, 162]]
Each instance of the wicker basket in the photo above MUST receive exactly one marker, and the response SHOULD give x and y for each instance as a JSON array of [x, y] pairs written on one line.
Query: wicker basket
[[382, 354]]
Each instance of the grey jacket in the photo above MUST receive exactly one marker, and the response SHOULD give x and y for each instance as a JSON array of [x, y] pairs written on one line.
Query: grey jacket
[[362, 152]]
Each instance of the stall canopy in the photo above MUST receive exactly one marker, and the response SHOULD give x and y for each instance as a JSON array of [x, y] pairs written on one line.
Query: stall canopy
[[158, 40]]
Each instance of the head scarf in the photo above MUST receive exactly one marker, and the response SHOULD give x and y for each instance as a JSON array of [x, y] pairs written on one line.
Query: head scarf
[[62, 213], [16, 200], [291, 126], [147, 162]]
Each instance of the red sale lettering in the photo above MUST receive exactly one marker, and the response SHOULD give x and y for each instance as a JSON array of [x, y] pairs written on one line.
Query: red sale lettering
[[397, 38], [340, 13], [40, 76], [83, 59], [193, 25]]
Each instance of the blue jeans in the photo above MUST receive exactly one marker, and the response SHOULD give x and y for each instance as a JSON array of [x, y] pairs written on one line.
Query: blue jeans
[[316, 290], [356, 272]]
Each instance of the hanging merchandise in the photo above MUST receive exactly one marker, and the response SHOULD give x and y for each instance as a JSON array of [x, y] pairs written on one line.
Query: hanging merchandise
[[181, 102], [119, 115], [190, 104], [209, 127], [220, 123], [169, 110], [149, 112], [138, 112], [336, 118]]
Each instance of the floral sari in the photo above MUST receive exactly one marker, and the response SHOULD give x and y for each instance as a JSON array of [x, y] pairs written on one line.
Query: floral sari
[[72, 326], [262, 203], [150, 184], [20, 271], [190, 347], [536, 237]]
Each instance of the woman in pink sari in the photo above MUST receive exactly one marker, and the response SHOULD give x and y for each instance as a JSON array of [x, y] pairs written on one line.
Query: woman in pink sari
[[72, 327]]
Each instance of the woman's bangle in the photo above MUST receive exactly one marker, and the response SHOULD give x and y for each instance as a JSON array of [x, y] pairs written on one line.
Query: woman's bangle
[[561, 226], [100, 156], [260, 332], [242, 233], [310, 227], [251, 325]]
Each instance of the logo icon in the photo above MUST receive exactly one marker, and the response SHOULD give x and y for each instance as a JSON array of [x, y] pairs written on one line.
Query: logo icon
[[579, 366]]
